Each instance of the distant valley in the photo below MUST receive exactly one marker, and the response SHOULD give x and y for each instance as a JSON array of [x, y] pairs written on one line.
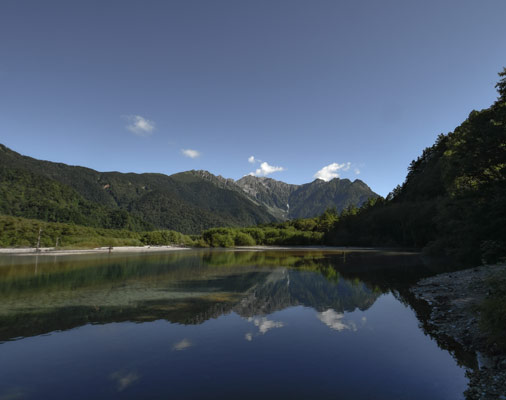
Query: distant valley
[[187, 202]]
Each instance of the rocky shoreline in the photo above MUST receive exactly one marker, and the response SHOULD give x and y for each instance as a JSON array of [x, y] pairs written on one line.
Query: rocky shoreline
[[453, 299]]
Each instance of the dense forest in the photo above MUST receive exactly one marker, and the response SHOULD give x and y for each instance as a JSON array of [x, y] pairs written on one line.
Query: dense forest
[[453, 200], [23, 232], [185, 202], [29, 195]]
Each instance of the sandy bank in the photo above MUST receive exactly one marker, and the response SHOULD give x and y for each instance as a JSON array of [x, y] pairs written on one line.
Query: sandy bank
[[139, 249], [453, 298], [65, 252]]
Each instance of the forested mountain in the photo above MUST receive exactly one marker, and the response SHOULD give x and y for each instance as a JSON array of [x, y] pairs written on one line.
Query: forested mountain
[[188, 202], [305, 201], [453, 199], [29, 195], [312, 199]]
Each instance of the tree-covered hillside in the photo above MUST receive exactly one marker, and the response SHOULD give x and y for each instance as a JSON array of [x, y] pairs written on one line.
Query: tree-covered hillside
[[312, 199], [453, 200], [28, 195], [186, 202], [189, 202]]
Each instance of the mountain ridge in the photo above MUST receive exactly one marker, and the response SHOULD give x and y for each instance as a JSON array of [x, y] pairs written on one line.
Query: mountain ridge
[[189, 201], [290, 201]]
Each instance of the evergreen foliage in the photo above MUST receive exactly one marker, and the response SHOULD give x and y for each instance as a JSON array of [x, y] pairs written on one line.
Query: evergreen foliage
[[453, 200], [25, 194], [300, 232], [22, 232], [185, 202]]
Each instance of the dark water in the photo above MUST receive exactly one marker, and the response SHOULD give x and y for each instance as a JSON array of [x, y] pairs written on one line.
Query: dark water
[[220, 324]]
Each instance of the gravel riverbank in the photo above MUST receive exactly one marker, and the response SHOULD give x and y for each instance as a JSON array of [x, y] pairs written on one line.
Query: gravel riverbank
[[51, 251], [453, 298]]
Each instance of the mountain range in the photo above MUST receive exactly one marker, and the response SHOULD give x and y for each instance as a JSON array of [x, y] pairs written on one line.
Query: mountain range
[[188, 202]]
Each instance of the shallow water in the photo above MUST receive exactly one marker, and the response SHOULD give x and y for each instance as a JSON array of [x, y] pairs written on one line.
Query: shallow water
[[219, 324]]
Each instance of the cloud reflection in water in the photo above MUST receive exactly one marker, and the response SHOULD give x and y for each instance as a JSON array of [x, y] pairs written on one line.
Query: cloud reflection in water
[[124, 379], [264, 325], [182, 345], [335, 321]]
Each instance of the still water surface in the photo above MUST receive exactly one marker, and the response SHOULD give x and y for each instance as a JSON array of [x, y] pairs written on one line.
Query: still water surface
[[220, 324]]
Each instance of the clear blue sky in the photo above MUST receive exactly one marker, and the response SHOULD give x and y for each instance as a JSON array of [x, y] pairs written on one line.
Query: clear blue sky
[[127, 86]]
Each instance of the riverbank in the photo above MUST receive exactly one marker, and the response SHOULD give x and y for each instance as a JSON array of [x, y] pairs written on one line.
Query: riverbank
[[454, 299], [65, 252], [138, 249]]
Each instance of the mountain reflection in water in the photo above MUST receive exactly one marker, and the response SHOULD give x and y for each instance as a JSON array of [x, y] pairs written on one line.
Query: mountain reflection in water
[[297, 300], [64, 292]]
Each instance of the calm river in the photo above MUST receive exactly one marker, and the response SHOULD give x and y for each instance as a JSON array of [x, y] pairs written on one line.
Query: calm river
[[220, 325]]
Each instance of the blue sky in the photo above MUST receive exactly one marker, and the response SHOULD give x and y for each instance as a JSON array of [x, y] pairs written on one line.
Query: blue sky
[[359, 87]]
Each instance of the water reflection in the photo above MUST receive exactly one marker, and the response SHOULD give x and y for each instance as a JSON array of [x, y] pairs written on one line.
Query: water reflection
[[124, 379], [264, 325], [336, 321], [179, 287], [298, 324], [182, 345]]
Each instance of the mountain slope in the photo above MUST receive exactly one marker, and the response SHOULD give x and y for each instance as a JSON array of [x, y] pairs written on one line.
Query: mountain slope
[[287, 201], [312, 199], [273, 194], [25, 194], [186, 202]]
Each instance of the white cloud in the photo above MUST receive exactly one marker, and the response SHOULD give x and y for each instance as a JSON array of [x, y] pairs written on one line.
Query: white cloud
[[182, 345], [266, 169], [335, 321], [331, 171], [140, 125], [190, 153], [248, 337], [357, 171], [252, 159]]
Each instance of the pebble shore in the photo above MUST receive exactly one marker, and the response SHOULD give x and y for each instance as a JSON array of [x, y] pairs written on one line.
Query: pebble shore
[[453, 298]]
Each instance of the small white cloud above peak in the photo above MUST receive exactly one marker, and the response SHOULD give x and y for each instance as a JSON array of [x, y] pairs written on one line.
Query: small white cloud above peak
[[357, 171], [330, 171], [251, 160], [266, 169], [190, 153], [140, 126]]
